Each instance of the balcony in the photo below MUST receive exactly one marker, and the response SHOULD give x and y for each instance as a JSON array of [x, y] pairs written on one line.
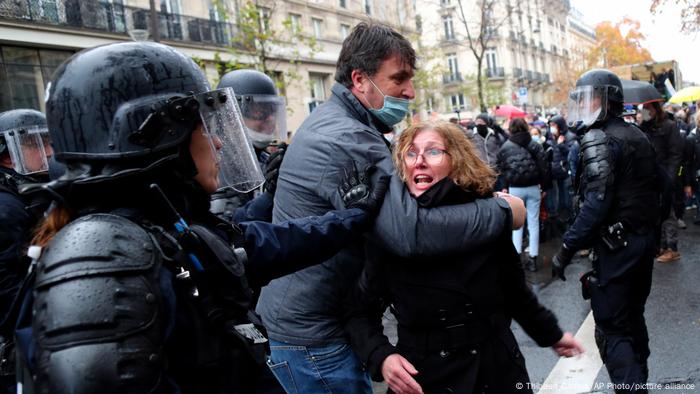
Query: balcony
[[545, 78], [528, 75], [537, 76], [512, 36], [451, 78], [517, 73], [101, 16], [495, 73]]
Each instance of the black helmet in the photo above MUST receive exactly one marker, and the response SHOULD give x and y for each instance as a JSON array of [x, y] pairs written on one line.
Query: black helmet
[[24, 136], [122, 101], [602, 78], [597, 96], [264, 112], [130, 105], [19, 119]]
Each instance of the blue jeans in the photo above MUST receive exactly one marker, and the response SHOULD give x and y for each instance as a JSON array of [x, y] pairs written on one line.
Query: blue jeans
[[322, 369], [531, 197]]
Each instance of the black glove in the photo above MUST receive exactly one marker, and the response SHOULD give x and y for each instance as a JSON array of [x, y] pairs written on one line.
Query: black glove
[[272, 168], [560, 261], [356, 189]]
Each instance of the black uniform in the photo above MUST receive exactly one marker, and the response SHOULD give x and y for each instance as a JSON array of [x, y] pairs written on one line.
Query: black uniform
[[620, 201], [454, 312]]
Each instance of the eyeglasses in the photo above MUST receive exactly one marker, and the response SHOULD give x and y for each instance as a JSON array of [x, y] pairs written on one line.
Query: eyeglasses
[[432, 156]]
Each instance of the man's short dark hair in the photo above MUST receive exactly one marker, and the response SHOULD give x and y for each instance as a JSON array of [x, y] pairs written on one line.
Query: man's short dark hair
[[367, 46]]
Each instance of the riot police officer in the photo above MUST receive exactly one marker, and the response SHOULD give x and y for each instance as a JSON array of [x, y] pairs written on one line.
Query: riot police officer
[[265, 121], [138, 287], [618, 187]]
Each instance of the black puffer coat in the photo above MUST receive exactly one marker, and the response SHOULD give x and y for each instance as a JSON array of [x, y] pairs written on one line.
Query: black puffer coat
[[523, 162], [668, 143]]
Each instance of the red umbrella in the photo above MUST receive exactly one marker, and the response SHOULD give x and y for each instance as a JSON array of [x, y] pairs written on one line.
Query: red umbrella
[[509, 111]]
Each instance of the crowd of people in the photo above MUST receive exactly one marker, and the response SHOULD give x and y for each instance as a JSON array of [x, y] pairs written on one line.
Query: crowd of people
[[161, 236]]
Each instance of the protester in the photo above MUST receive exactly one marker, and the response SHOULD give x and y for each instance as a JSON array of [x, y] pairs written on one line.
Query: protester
[[303, 312], [485, 140], [454, 313], [668, 144], [526, 173]]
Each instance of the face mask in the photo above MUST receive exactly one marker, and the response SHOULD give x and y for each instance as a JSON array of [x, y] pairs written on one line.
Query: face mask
[[393, 110], [260, 140], [482, 129], [554, 130], [646, 115], [536, 138]]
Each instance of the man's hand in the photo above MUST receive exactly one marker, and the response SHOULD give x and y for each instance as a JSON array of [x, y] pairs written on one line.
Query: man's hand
[[517, 208], [397, 373], [561, 139], [560, 261], [272, 168], [568, 346], [688, 191], [357, 191]]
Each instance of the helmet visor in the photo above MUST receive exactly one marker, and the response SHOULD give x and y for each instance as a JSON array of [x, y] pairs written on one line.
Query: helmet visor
[[586, 105], [265, 117], [30, 149], [238, 166]]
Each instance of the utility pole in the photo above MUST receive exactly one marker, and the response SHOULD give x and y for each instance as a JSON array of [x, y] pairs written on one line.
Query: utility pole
[[155, 35]]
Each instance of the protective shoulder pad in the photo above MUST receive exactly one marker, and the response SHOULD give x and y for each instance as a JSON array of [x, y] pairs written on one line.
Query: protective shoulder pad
[[98, 312], [597, 162], [96, 245]]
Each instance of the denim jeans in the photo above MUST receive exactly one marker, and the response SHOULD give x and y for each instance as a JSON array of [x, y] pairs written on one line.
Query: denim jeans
[[322, 369], [532, 198]]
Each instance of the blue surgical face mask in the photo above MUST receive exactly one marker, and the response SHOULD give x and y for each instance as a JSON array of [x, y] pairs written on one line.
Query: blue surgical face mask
[[536, 138], [393, 110]]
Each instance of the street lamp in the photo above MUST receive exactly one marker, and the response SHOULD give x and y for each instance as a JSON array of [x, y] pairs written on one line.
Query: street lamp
[[457, 111]]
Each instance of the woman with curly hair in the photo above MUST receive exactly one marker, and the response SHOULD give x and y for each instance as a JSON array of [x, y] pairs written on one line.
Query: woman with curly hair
[[453, 311]]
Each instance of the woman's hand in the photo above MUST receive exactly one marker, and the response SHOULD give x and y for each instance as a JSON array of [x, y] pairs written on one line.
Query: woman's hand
[[568, 346], [397, 372], [517, 208]]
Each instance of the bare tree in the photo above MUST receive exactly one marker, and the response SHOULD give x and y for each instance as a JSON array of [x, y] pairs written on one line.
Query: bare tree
[[480, 34]]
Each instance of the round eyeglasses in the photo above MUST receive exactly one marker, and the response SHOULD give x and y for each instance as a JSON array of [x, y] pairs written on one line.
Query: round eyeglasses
[[432, 156]]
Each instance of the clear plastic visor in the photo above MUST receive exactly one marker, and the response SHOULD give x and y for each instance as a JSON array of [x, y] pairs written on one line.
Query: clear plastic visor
[[586, 105], [265, 117], [30, 149], [238, 167]]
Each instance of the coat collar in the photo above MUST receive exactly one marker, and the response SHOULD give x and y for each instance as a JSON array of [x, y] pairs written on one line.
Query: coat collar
[[357, 110]]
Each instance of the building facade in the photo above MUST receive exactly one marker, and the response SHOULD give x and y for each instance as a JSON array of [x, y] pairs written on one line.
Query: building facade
[[38, 35], [527, 45]]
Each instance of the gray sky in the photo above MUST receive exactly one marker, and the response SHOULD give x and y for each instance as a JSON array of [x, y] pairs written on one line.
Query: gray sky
[[662, 31]]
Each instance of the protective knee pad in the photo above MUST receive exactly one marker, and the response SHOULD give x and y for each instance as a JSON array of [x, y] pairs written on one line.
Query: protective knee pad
[[98, 310]]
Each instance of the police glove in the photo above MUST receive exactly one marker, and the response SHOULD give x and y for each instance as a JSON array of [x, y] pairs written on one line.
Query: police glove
[[356, 189], [560, 261], [272, 168]]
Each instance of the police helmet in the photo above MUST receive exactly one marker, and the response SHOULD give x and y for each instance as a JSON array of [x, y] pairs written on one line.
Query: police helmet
[[24, 136], [597, 96], [132, 104], [263, 110]]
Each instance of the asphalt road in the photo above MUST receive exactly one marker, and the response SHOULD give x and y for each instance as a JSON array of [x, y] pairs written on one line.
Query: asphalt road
[[673, 319]]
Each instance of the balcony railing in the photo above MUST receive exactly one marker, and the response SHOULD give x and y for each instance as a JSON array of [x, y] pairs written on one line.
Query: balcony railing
[[517, 73], [545, 78], [537, 76], [495, 72], [528, 75], [116, 18], [451, 78]]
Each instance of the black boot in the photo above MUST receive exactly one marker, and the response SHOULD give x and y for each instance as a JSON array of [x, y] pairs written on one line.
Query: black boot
[[531, 264]]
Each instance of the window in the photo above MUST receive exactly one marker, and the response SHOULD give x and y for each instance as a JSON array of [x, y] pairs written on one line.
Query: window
[[264, 19], [295, 22], [318, 27], [343, 4], [317, 85], [344, 30], [368, 6], [456, 101], [24, 73], [491, 59], [449, 27], [453, 66], [429, 104], [445, 2]]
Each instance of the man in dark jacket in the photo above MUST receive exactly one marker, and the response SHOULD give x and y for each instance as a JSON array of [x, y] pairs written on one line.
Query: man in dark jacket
[[620, 202], [560, 162], [668, 144], [485, 140], [303, 312]]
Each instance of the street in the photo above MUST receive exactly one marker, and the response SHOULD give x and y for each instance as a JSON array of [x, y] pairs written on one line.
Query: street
[[672, 315]]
